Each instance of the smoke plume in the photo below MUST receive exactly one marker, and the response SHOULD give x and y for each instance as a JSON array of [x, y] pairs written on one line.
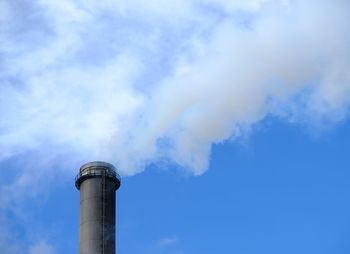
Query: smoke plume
[[136, 82], [139, 82]]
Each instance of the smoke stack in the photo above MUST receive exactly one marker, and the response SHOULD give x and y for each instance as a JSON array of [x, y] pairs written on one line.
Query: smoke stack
[[97, 182]]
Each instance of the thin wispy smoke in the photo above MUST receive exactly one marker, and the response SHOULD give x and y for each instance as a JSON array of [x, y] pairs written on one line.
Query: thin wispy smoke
[[137, 82]]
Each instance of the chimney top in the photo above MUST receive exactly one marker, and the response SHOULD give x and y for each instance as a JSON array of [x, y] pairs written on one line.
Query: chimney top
[[97, 169]]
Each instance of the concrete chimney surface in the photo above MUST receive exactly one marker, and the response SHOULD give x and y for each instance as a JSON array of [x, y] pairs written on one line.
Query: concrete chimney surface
[[97, 182]]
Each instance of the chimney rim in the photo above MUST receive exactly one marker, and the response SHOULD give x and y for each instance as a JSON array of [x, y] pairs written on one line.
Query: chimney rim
[[97, 169]]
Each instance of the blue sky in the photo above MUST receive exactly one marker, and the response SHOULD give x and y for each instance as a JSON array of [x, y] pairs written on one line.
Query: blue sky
[[283, 191], [228, 121]]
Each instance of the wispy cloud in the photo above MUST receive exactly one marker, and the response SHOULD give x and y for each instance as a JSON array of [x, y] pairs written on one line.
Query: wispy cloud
[[41, 248], [166, 245], [164, 242], [11, 241], [128, 82], [9, 244], [136, 82]]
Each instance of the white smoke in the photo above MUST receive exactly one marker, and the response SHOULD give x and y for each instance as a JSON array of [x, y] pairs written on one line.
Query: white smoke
[[137, 82]]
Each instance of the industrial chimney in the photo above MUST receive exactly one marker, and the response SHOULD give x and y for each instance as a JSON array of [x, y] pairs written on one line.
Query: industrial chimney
[[97, 182]]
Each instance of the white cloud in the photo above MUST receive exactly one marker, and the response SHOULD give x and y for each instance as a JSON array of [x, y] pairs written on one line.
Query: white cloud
[[135, 83]]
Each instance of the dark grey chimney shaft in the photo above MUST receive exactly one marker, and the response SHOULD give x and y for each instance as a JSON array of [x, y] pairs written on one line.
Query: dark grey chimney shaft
[[97, 182]]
